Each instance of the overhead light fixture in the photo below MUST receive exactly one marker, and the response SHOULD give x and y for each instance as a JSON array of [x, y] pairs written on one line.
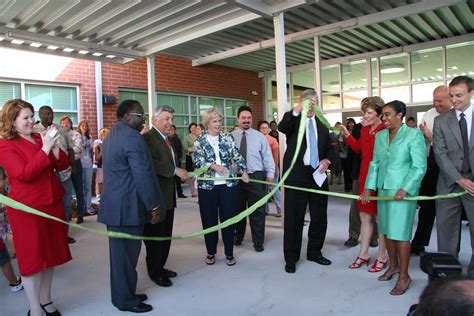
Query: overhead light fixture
[[392, 68], [97, 54], [52, 47], [1, 38], [34, 44], [17, 42], [83, 52], [110, 56], [68, 50]]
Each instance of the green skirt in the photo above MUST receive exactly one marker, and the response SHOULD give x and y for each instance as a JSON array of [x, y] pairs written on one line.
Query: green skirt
[[395, 218]]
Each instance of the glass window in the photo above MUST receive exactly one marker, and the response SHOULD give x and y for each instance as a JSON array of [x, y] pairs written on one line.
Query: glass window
[[141, 97], [427, 65], [395, 93], [8, 91], [331, 101], [460, 61], [301, 81], [178, 102], [354, 75], [59, 98], [352, 99], [63, 100], [394, 69], [330, 79], [423, 92]]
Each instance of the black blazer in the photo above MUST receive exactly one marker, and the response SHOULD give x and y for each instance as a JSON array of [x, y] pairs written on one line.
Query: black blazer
[[301, 174], [131, 189]]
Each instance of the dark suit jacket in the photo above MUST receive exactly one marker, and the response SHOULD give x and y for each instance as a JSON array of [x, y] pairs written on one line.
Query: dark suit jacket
[[131, 189], [301, 174], [164, 166], [448, 150]]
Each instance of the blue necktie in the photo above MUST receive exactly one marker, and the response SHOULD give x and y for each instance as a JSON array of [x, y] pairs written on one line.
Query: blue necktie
[[313, 146]]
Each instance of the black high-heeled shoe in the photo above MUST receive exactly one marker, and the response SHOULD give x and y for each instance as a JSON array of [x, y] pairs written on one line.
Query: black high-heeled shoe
[[55, 313]]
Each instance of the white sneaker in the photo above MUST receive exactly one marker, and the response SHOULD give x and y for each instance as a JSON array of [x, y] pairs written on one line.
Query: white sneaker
[[16, 287]]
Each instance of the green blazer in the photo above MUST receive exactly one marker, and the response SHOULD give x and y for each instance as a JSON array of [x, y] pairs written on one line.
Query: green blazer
[[164, 165], [399, 165]]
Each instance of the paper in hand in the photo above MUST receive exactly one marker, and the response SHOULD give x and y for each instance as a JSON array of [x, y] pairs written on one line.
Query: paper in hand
[[319, 177]]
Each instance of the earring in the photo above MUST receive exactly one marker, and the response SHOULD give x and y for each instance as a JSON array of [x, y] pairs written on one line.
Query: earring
[[13, 129]]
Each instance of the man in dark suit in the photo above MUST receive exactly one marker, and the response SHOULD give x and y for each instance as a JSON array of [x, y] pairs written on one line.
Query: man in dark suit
[[315, 153], [427, 211], [453, 144], [130, 198], [164, 160]]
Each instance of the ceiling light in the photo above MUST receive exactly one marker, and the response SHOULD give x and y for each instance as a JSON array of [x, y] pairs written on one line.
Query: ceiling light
[[17, 42], [392, 68], [447, 68], [1, 38], [97, 54], [35, 44], [110, 56], [68, 50], [52, 47], [83, 52]]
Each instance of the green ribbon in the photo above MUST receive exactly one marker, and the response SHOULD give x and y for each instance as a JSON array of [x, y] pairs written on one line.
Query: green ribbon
[[301, 131], [319, 114]]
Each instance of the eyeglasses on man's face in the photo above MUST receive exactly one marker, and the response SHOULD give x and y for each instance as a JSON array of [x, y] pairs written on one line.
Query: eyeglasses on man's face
[[140, 115]]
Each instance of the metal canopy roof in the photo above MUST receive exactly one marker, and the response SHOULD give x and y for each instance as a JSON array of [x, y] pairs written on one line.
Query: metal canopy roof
[[237, 33]]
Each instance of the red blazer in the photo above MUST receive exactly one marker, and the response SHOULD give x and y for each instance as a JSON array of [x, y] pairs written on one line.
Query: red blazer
[[31, 172], [364, 146]]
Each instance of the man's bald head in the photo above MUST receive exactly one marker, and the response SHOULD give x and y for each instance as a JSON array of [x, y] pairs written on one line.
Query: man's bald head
[[441, 100]]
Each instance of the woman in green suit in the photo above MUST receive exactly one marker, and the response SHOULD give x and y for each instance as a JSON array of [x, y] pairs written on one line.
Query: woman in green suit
[[397, 168]]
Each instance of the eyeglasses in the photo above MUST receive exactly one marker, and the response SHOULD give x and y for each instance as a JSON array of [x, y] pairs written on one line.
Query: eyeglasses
[[140, 115]]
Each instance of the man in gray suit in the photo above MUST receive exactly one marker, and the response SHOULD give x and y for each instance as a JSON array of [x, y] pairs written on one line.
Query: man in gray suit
[[453, 144], [164, 159], [131, 197]]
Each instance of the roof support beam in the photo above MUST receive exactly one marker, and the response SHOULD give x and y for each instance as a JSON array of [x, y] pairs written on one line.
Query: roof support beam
[[415, 8]]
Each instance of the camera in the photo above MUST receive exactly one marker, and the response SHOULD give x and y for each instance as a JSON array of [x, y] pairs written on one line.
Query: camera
[[439, 265]]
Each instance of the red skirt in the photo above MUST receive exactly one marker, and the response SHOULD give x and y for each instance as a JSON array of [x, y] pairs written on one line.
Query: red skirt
[[40, 243], [371, 206]]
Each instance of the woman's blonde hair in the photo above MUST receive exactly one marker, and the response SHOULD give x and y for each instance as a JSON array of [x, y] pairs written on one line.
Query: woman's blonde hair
[[10, 111], [209, 115], [103, 132]]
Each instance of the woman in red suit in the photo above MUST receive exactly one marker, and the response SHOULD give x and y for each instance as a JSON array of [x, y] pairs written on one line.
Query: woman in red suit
[[372, 109], [30, 160]]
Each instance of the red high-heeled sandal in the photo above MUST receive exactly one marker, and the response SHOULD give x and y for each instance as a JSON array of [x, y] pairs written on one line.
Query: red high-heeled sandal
[[378, 266], [358, 262]]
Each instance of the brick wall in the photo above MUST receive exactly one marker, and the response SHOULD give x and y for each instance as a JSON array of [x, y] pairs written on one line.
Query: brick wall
[[171, 74]]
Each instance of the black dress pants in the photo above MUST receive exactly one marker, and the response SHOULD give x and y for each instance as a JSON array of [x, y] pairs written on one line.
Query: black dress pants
[[247, 195], [296, 203], [427, 211], [157, 251]]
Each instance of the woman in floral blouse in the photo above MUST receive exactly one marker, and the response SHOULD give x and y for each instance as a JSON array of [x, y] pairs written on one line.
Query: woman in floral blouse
[[217, 198]]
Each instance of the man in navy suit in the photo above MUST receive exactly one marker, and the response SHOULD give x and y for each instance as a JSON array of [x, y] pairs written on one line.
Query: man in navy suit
[[315, 152], [130, 198]]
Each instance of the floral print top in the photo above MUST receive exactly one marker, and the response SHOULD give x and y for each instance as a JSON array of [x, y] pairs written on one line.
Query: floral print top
[[230, 157]]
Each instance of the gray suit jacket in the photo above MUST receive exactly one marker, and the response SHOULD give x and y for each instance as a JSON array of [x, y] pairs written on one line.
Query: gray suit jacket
[[131, 189], [448, 150], [164, 165]]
